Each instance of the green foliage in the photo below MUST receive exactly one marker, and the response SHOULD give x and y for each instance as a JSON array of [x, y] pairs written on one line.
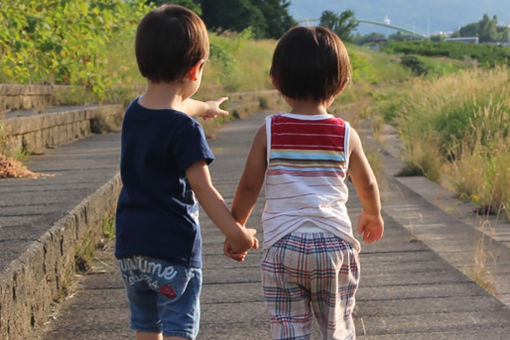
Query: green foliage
[[108, 225], [490, 55], [437, 66], [415, 64], [267, 18], [64, 42], [486, 29], [239, 63], [400, 36], [362, 68], [437, 37], [194, 5], [456, 129], [277, 17], [369, 38], [221, 57], [342, 24]]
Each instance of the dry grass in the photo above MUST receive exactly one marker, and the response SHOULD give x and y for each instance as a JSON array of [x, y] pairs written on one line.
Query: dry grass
[[480, 272], [456, 130], [11, 168], [242, 65]]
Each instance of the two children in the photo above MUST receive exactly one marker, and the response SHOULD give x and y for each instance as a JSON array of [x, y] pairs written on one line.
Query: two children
[[310, 257]]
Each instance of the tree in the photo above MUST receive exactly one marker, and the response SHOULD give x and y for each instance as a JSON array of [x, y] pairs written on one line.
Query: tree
[[368, 38], [399, 36], [234, 15], [343, 25], [277, 17], [486, 29], [267, 18], [194, 5]]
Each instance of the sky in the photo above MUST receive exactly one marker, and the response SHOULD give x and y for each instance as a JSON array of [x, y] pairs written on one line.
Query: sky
[[423, 16]]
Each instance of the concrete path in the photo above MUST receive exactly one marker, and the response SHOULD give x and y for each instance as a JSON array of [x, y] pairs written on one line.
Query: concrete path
[[29, 207], [477, 245], [407, 290]]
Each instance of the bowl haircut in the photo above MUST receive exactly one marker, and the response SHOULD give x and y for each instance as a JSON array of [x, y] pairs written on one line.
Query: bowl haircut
[[170, 40], [310, 63]]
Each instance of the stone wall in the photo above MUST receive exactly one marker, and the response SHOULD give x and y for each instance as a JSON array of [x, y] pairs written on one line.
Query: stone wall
[[32, 283], [35, 133], [23, 97]]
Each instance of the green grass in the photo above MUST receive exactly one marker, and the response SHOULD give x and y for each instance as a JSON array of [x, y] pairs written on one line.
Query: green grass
[[484, 54]]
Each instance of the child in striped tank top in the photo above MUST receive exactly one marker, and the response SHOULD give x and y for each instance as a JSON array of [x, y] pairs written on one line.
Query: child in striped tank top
[[311, 258]]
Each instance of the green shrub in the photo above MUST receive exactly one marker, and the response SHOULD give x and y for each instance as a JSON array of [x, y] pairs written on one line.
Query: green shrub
[[490, 55], [415, 64], [63, 42]]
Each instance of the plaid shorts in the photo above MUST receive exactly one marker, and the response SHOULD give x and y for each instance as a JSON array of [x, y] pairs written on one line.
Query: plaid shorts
[[310, 271]]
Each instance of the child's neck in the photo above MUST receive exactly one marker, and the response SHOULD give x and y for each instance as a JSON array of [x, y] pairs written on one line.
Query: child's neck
[[163, 96], [307, 107]]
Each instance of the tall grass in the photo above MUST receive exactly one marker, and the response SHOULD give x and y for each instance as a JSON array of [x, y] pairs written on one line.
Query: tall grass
[[455, 129], [236, 63]]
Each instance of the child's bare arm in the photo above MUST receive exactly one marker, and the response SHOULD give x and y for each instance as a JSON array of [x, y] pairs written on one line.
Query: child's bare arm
[[208, 109], [252, 179], [370, 223], [241, 239], [249, 186]]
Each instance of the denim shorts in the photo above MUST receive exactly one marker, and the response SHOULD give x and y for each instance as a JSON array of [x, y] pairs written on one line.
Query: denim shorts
[[163, 297]]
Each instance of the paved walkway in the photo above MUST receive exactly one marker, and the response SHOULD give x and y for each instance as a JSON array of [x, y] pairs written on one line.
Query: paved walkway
[[407, 290], [29, 207]]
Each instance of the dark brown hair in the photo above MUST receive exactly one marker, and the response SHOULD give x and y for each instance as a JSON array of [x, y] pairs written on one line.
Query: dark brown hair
[[310, 63], [170, 40]]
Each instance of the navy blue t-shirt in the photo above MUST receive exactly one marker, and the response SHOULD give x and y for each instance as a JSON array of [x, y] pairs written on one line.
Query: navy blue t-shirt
[[157, 213]]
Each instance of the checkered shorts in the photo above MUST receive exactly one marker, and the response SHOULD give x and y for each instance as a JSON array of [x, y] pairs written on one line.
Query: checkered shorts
[[310, 271]]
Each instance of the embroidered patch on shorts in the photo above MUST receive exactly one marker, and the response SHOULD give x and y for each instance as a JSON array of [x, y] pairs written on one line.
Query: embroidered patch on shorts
[[168, 291]]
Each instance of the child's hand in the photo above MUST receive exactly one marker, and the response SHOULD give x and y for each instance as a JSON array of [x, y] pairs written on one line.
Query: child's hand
[[213, 108], [227, 250], [371, 226], [238, 248]]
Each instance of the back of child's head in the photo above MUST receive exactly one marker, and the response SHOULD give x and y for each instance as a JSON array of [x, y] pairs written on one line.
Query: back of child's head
[[170, 40], [310, 63]]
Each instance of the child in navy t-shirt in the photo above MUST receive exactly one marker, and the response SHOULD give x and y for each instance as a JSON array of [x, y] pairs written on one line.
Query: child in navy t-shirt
[[164, 170]]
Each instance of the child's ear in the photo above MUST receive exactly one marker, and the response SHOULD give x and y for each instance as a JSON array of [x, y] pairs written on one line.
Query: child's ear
[[194, 72]]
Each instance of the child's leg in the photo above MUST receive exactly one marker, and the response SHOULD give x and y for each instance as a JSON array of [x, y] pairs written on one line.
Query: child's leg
[[333, 289], [148, 336], [285, 294], [155, 336]]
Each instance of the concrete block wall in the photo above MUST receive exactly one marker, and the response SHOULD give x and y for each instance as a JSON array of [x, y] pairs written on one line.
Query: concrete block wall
[[31, 284], [35, 133], [20, 97]]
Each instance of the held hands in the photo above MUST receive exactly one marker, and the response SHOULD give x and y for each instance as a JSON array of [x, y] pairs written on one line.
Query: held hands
[[213, 109], [371, 226], [238, 252]]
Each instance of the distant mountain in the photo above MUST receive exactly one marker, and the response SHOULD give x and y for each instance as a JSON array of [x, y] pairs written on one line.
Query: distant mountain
[[423, 16]]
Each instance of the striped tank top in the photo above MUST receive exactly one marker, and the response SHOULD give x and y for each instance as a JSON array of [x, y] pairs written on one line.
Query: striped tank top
[[305, 178]]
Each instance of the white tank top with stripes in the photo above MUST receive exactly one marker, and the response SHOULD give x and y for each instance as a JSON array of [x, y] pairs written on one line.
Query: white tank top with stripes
[[305, 188]]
